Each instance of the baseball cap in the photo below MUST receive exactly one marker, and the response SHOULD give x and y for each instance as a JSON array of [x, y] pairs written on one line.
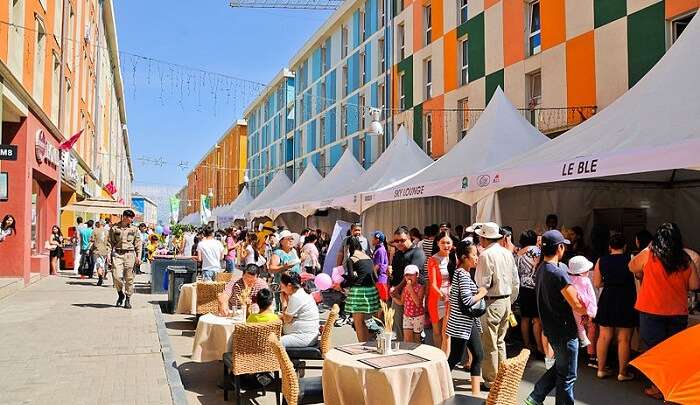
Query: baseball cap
[[410, 269], [554, 237], [379, 235], [129, 213]]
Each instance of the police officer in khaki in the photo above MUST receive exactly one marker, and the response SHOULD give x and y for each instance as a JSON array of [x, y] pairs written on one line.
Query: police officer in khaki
[[125, 245]]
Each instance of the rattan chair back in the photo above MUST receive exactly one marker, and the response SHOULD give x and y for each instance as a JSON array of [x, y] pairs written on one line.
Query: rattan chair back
[[504, 390], [207, 297], [325, 343], [251, 349], [290, 381], [223, 277]]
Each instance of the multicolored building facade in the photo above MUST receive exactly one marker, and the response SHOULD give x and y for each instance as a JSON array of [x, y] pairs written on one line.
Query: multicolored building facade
[[558, 61]]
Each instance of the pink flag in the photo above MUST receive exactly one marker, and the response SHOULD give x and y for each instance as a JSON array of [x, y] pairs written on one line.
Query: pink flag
[[68, 143]]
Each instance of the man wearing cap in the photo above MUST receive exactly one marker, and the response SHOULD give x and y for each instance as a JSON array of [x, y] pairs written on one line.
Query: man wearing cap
[[557, 300], [498, 274], [125, 245]]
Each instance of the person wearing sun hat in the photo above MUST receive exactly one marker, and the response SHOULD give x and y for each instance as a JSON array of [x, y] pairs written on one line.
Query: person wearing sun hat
[[284, 258], [557, 301], [579, 267], [498, 274]]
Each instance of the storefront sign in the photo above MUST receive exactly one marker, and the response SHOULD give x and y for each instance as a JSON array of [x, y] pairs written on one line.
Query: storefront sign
[[580, 167], [45, 152], [411, 191], [8, 152]]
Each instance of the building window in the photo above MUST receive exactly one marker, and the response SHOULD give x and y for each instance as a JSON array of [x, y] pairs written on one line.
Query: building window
[[322, 130], [324, 60], [344, 38], [533, 27], [463, 106], [402, 41], [39, 58], [382, 59], [464, 62], [678, 26], [322, 96], [55, 88], [380, 13], [463, 6], [428, 23], [428, 77], [344, 119], [362, 23], [428, 133], [361, 152], [363, 69], [402, 99], [57, 20], [322, 162], [534, 88], [361, 112], [345, 80]]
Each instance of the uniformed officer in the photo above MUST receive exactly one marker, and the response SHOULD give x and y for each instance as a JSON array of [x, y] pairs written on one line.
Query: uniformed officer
[[125, 245]]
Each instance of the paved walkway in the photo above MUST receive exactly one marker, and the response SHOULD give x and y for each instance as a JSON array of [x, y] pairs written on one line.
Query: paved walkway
[[62, 341]]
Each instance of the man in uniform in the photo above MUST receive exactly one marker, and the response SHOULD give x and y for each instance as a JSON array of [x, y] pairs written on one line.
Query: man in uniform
[[125, 244]]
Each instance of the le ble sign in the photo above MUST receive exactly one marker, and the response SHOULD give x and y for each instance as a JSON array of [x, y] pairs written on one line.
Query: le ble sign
[[580, 167], [8, 152]]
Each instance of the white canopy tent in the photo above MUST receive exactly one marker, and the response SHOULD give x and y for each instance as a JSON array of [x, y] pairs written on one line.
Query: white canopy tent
[[345, 170], [278, 185], [500, 133], [190, 219], [234, 210], [305, 185], [641, 153]]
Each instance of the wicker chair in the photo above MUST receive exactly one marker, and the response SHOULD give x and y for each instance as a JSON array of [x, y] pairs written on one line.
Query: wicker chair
[[207, 297], [317, 352], [223, 277], [504, 390], [251, 354], [296, 391]]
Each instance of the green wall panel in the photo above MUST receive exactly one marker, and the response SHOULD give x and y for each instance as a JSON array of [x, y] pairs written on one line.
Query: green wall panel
[[646, 40], [462, 29], [406, 66], [493, 81], [418, 124], [607, 11], [477, 58]]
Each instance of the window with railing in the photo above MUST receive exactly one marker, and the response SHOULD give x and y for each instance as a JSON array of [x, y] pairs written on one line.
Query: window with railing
[[380, 13], [534, 37], [463, 106], [428, 133], [381, 50], [679, 24], [463, 6], [344, 119], [402, 41], [428, 78], [345, 80], [362, 23], [344, 38], [363, 69], [464, 62], [534, 88], [402, 91], [361, 112]]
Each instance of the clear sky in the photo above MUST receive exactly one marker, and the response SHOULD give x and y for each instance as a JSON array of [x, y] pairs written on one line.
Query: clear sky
[[175, 114]]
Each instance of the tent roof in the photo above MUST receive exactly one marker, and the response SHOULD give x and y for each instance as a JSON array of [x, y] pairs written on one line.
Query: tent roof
[[235, 207], [500, 133], [305, 185], [652, 127], [98, 206], [278, 185], [346, 169]]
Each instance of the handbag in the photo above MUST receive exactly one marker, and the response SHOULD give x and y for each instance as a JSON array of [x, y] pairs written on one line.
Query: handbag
[[476, 310], [49, 246]]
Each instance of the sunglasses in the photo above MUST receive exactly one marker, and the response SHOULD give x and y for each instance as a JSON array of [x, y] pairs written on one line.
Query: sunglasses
[[399, 240]]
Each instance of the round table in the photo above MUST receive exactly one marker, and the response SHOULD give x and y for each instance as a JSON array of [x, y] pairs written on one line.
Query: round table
[[187, 303], [214, 337], [348, 381]]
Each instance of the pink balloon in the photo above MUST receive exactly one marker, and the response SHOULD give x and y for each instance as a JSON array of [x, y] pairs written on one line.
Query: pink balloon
[[337, 274], [323, 281]]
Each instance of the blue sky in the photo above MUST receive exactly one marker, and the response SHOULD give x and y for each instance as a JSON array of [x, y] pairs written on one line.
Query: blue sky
[[176, 114]]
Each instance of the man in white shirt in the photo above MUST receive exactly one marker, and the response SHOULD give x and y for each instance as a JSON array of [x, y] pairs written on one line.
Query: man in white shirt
[[497, 272], [76, 251], [210, 252]]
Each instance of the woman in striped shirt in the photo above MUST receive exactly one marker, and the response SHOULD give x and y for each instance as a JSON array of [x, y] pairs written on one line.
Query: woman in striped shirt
[[465, 331]]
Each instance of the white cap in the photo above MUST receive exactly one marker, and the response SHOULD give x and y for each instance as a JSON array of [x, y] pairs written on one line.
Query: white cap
[[410, 269]]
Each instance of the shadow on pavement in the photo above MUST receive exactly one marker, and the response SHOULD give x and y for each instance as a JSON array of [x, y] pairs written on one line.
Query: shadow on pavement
[[98, 306], [83, 283], [180, 325]]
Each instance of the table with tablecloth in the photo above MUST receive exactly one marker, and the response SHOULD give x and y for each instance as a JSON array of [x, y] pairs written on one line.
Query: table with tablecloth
[[214, 337], [187, 302], [348, 381]]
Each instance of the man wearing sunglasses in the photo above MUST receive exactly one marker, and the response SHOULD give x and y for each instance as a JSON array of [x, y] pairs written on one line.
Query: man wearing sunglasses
[[405, 254]]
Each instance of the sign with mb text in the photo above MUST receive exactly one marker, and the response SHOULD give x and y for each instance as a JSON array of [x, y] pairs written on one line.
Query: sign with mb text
[[8, 152]]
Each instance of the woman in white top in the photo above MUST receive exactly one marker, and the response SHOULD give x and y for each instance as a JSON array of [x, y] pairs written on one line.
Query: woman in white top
[[300, 316], [250, 254], [309, 255]]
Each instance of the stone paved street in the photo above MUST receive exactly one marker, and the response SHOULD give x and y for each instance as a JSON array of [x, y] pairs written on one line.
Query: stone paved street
[[64, 342]]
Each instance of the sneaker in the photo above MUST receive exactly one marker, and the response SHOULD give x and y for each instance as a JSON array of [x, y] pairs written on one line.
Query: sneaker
[[625, 377], [548, 362], [593, 363], [530, 401]]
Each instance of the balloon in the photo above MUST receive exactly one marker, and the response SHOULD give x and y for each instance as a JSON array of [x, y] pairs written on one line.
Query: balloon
[[159, 230], [323, 281], [166, 229], [337, 274]]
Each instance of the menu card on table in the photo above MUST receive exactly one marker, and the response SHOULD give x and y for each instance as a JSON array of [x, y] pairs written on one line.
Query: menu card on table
[[358, 348], [394, 360]]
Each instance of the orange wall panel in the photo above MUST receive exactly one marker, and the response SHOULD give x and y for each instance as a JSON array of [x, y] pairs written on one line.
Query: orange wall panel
[[553, 16], [450, 65], [417, 26], [675, 8], [437, 17], [4, 33], [489, 3], [513, 32], [580, 70], [437, 104]]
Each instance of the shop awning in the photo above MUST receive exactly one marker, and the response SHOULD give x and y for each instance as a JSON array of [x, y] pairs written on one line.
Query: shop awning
[[98, 206], [305, 185]]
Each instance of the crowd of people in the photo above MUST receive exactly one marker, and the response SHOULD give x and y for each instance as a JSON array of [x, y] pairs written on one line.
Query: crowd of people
[[462, 289]]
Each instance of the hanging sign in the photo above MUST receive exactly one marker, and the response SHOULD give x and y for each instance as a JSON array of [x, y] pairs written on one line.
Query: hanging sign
[[8, 152]]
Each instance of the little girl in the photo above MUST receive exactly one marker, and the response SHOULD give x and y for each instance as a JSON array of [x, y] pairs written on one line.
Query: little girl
[[412, 300], [579, 267]]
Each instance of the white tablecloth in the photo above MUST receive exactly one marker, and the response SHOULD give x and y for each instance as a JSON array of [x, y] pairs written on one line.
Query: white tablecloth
[[214, 337], [347, 381], [187, 303]]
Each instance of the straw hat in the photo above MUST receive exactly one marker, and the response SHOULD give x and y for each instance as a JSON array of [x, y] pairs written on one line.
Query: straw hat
[[489, 230]]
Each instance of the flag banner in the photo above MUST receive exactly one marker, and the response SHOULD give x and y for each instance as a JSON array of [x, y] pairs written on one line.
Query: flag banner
[[204, 208], [174, 209], [111, 188], [68, 143]]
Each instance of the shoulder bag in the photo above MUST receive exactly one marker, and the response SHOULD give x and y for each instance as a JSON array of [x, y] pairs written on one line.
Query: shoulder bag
[[476, 310]]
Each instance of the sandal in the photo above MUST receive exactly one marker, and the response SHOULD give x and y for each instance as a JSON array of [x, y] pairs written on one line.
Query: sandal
[[653, 392]]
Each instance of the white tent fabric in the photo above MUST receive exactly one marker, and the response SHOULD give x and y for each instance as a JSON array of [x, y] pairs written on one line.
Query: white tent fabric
[[402, 157], [654, 127], [190, 219], [305, 184], [500, 133], [234, 210], [344, 171], [278, 185]]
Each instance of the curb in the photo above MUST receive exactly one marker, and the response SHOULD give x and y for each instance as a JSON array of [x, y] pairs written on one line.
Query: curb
[[177, 390]]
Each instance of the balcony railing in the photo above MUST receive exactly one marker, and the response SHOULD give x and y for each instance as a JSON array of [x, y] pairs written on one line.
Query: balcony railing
[[549, 121]]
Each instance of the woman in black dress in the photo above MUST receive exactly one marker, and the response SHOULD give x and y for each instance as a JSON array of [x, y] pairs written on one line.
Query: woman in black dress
[[55, 249], [616, 313]]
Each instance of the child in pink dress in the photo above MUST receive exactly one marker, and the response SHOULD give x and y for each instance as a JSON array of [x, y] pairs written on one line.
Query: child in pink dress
[[579, 267]]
